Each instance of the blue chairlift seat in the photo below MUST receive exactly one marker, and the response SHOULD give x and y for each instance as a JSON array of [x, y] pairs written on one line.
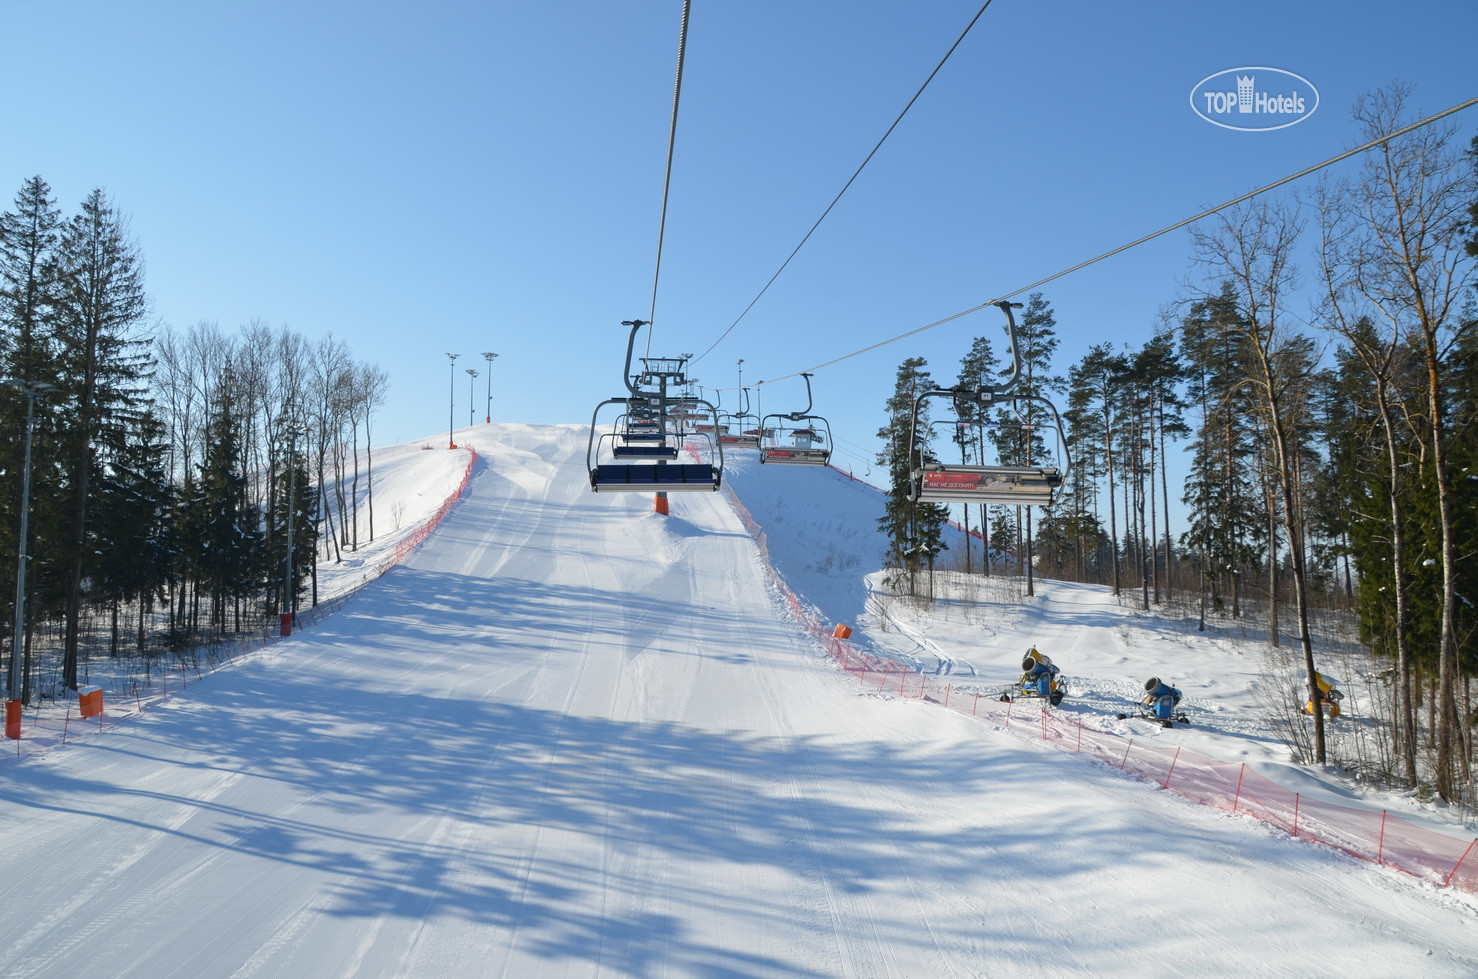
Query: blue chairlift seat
[[655, 477], [644, 451]]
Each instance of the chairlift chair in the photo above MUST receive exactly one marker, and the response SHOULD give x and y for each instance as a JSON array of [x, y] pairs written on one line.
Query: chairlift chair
[[652, 472], [808, 443], [931, 481]]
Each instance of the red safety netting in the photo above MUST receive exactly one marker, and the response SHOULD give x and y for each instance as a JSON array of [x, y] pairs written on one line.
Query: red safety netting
[[1366, 834]]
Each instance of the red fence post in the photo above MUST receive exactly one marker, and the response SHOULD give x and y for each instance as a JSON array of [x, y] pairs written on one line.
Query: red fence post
[[1079, 748], [1460, 862], [975, 706], [1238, 797], [1125, 760], [1295, 815], [1380, 849], [947, 688], [1172, 769]]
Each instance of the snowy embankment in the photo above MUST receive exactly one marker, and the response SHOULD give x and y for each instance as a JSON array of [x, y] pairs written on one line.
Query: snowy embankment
[[571, 737]]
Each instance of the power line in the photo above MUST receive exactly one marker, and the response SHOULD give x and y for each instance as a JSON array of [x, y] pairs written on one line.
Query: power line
[[1139, 241], [848, 184]]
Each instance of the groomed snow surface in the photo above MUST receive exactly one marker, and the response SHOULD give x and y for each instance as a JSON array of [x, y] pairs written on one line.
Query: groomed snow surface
[[569, 737]]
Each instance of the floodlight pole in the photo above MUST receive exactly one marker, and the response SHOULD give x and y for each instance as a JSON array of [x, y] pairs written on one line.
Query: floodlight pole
[[489, 356], [13, 687], [471, 376], [451, 419]]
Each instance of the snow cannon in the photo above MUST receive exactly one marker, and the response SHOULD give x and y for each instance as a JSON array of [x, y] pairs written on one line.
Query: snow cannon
[[1160, 700], [1328, 694], [1160, 703], [1036, 664], [1039, 678]]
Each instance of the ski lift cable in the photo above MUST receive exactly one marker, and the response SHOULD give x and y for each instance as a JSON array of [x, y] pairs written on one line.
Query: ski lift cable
[[1139, 241], [847, 185], [677, 91]]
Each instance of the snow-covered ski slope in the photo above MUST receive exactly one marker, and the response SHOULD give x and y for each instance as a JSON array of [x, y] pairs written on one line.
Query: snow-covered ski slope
[[571, 737]]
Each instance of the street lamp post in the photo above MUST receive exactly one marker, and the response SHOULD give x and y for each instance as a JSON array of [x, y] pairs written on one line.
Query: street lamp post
[[451, 412], [471, 376], [13, 687], [489, 356]]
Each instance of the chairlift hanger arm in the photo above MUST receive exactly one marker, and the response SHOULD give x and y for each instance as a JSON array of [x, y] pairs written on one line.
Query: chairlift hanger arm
[[630, 349]]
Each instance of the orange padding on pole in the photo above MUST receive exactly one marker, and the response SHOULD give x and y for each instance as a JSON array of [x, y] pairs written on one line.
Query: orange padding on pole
[[661, 505], [13, 720], [841, 632], [90, 701]]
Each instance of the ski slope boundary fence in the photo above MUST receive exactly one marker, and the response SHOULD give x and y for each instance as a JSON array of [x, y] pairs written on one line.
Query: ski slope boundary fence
[[1371, 835], [45, 726]]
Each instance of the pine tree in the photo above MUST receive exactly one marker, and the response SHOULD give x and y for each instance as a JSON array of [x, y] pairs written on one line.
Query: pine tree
[[914, 530], [1094, 396], [1225, 530], [1019, 440], [978, 368]]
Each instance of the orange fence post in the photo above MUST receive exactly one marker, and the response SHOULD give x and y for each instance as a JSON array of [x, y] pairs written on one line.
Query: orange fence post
[[13, 720]]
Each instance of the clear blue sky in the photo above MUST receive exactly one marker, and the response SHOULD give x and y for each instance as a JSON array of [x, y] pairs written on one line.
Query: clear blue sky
[[432, 177]]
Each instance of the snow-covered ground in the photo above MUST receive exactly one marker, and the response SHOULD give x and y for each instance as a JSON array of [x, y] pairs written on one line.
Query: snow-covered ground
[[571, 737]]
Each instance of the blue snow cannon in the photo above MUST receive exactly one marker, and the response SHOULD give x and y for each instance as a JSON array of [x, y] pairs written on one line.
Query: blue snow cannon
[[1160, 701]]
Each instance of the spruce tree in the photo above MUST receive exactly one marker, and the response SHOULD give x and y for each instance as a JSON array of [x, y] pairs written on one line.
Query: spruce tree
[[130, 532], [232, 554], [105, 368], [28, 352]]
